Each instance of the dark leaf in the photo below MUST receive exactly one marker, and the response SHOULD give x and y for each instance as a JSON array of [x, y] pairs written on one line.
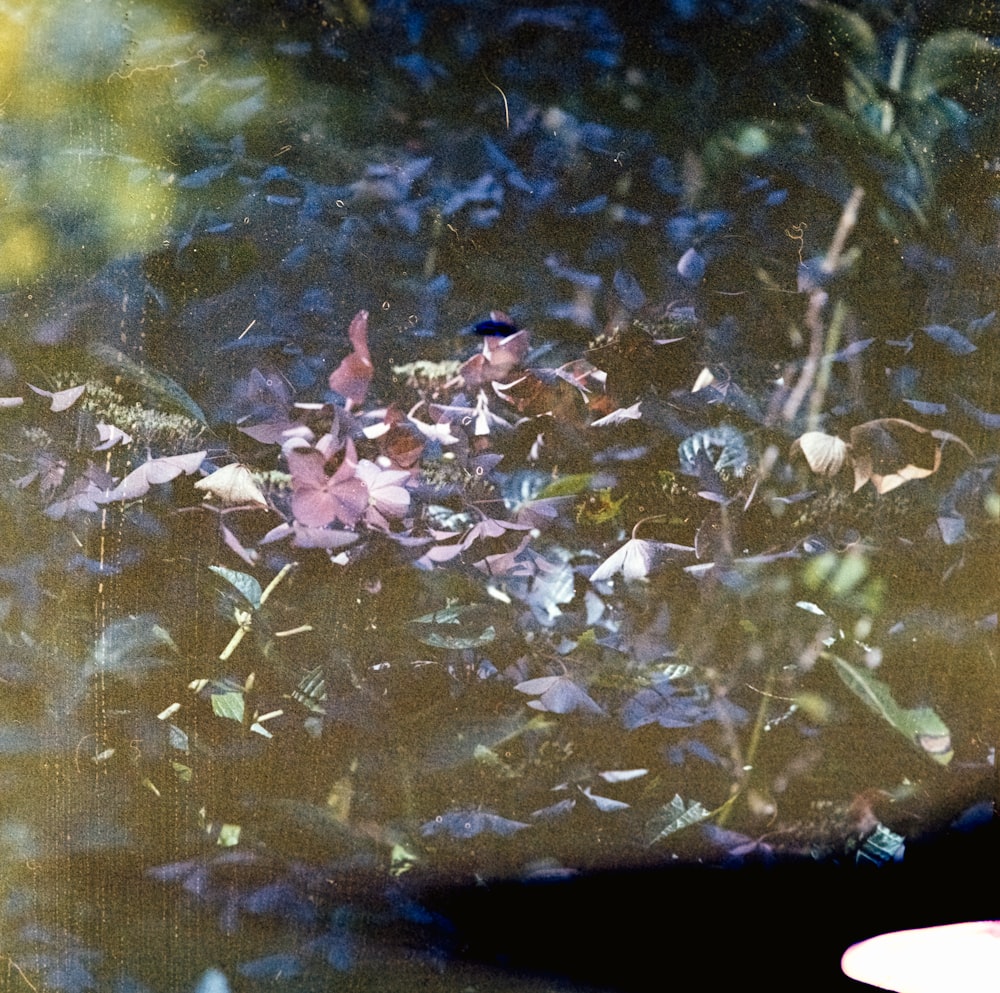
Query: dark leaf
[[852, 350], [981, 324], [927, 409], [664, 704], [499, 357], [635, 361], [629, 291], [982, 417], [496, 328], [272, 968], [466, 824], [955, 342], [952, 529], [542, 393], [691, 265], [554, 811], [131, 646]]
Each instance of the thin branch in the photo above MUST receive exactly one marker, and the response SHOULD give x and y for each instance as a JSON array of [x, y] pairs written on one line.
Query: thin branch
[[848, 219]]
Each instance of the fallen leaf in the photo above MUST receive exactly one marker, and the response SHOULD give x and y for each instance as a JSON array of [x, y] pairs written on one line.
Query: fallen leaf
[[825, 453], [61, 399], [635, 559], [891, 451], [353, 376], [161, 470], [233, 484], [558, 695]]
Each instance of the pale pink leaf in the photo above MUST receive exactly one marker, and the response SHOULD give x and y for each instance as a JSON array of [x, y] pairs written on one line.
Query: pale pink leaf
[[161, 470], [303, 537], [248, 555], [619, 416], [270, 432], [83, 494], [558, 695], [492, 528], [440, 553], [635, 559], [233, 484], [109, 435], [61, 399]]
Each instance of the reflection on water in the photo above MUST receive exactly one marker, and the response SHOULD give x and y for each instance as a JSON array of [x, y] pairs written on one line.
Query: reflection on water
[[554, 596]]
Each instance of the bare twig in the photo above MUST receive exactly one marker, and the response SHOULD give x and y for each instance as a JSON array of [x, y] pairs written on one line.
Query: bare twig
[[848, 219], [815, 371]]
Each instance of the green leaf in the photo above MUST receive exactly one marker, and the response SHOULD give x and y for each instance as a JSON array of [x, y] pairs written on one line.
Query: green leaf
[[130, 646], [242, 582], [436, 640], [921, 726], [228, 705], [451, 614], [674, 816], [950, 59], [849, 34], [489, 759], [880, 847], [461, 741], [229, 835], [571, 485], [156, 385], [401, 860], [470, 615]]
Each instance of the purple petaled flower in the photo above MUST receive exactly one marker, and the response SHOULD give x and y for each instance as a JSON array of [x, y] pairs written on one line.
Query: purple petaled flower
[[319, 499], [387, 496]]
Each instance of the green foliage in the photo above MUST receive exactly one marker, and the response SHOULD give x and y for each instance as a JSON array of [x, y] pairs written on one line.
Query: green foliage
[[471, 617], [154, 385], [228, 705], [673, 817], [844, 579], [903, 117], [921, 726], [246, 585]]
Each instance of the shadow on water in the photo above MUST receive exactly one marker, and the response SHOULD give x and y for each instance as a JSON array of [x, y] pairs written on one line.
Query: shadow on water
[[486, 502]]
